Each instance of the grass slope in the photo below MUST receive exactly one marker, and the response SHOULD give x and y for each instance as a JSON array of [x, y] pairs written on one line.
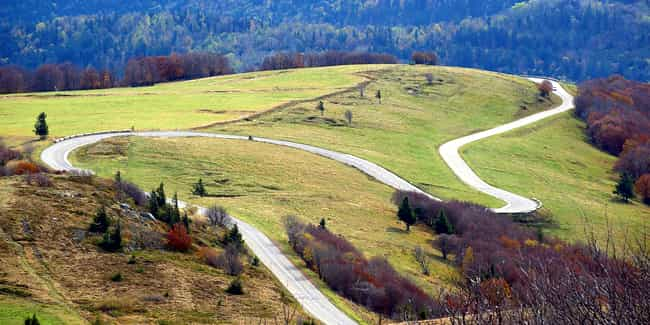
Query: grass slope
[[552, 161], [262, 183], [51, 266], [403, 133], [171, 105]]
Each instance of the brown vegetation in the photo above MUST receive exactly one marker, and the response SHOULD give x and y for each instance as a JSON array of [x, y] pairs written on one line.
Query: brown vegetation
[[280, 61]]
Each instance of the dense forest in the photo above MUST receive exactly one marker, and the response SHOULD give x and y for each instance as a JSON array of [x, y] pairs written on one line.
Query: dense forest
[[574, 39]]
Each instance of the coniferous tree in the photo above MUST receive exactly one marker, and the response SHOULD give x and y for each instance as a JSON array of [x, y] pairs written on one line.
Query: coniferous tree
[[233, 236], [405, 214], [378, 95], [186, 222], [100, 222], [322, 223], [321, 107], [112, 241], [442, 224], [32, 320], [199, 189], [153, 203], [625, 187], [40, 128], [160, 195]]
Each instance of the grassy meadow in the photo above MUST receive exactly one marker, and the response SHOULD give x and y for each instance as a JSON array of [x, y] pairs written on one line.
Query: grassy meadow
[[403, 133], [552, 161], [174, 105]]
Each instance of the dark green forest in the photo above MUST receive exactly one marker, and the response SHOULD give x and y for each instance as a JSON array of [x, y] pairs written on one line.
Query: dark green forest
[[575, 39]]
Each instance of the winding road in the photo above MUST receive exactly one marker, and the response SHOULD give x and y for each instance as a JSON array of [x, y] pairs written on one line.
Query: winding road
[[312, 300]]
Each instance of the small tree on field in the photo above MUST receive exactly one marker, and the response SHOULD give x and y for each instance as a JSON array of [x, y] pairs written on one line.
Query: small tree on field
[[32, 320], [362, 90], [217, 216], [378, 95], [100, 222], [233, 237], [429, 77], [422, 259], [642, 188], [446, 244], [322, 224], [112, 241], [442, 224], [625, 187], [545, 88], [198, 188], [405, 214], [40, 128], [348, 116], [321, 107], [186, 222], [236, 287]]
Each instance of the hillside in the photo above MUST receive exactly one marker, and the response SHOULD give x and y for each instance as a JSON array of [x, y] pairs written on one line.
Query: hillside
[[572, 39], [52, 265]]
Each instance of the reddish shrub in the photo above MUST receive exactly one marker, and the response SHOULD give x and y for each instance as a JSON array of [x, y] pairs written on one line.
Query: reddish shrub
[[642, 188], [373, 283], [178, 238], [20, 167]]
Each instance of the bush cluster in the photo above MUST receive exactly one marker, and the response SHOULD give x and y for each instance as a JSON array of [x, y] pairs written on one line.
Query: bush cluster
[[372, 283], [505, 266]]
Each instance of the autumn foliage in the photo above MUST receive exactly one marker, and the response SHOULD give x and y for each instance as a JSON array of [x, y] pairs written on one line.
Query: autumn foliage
[[372, 283], [616, 111], [178, 238], [428, 58], [153, 69], [508, 267], [281, 61], [642, 188]]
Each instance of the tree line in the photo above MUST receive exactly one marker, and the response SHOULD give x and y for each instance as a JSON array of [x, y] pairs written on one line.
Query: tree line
[[280, 61], [617, 113], [578, 40], [138, 72]]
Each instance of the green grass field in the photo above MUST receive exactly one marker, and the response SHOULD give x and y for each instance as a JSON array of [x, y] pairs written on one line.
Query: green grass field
[[13, 311], [552, 161], [262, 183], [174, 105], [403, 133]]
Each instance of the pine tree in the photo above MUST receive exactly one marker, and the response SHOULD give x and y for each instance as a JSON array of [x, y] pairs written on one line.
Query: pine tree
[[160, 195], [118, 177], [153, 203], [199, 189], [112, 241], [322, 223], [442, 224], [40, 128], [378, 95], [405, 213], [32, 320], [186, 222], [233, 236], [100, 222], [321, 107], [625, 187]]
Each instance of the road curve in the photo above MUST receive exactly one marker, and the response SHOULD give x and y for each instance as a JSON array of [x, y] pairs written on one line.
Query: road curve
[[312, 300], [514, 203]]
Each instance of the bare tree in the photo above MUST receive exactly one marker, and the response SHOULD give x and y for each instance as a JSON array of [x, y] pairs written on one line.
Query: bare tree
[[348, 116], [422, 259], [362, 89], [446, 244], [229, 261], [217, 216], [429, 78]]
